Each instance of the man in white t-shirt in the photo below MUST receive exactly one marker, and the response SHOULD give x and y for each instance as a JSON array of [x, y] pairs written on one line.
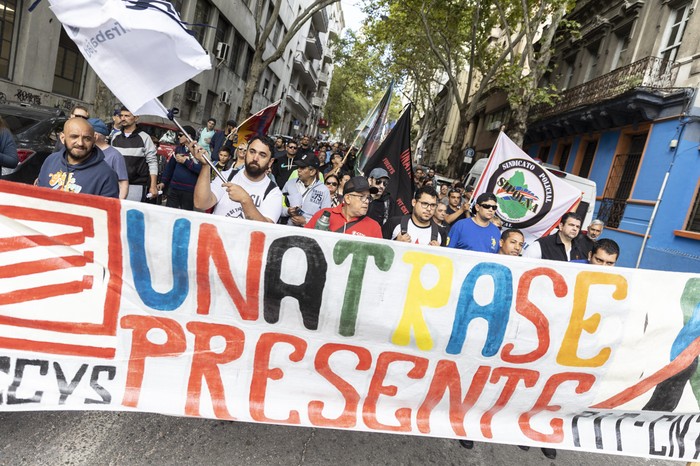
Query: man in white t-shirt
[[250, 194], [417, 227]]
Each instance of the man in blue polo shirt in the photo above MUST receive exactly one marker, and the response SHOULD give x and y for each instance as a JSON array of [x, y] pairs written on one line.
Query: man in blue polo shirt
[[477, 233]]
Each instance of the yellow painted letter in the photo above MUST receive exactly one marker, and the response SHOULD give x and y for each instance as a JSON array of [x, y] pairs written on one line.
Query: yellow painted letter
[[568, 353], [418, 296]]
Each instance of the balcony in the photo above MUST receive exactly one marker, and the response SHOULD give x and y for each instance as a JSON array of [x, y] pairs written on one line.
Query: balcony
[[306, 72], [298, 103], [323, 78], [317, 102], [650, 72], [314, 49], [320, 20]]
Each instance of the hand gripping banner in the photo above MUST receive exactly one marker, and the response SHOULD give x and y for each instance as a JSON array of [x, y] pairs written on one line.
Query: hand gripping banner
[[109, 305]]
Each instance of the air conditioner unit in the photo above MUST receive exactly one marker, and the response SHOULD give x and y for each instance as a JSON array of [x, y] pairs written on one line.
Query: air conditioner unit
[[494, 126], [222, 49], [225, 97], [194, 96]]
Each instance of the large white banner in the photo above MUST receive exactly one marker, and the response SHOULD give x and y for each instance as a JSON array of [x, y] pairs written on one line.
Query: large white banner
[[115, 305], [529, 197], [140, 49]]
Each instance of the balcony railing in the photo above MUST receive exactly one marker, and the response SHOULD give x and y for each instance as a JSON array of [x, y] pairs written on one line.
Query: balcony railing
[[650, 72]]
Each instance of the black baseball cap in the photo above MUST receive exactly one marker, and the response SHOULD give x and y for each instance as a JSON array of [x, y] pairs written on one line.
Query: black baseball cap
[[357, 184], [308, 160]]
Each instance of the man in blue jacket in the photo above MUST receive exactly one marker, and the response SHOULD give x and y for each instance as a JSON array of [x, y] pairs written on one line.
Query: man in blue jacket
[[180, 174], [80, 166]]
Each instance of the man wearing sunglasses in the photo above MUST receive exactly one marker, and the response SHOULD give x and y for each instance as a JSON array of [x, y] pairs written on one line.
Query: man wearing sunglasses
[[477, 233], [381, 209], [285, 166]]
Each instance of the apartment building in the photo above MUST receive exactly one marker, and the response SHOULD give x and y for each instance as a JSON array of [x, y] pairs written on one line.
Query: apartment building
[[40, 65]]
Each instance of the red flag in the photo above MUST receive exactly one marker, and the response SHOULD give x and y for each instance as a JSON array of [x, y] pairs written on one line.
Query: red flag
[[258, 123]]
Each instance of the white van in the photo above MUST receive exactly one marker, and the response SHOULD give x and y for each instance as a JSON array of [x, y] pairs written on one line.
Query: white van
[[587, 187]]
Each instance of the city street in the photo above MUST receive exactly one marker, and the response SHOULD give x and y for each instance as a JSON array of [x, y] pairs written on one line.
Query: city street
[[82, 438]]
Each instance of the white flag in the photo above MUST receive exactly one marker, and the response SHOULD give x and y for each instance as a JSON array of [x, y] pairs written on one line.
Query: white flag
[[530, 198], [140, 50]]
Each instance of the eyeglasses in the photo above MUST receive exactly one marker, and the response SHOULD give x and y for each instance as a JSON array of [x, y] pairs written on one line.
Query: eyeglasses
[[292, 147], [362, 198], [331, 183], [381, 182], [489, 206], [80, 116], [427, 205]]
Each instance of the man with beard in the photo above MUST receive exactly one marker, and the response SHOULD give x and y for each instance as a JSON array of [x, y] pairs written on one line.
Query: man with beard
[[305, 146], [250, 194], [382, 207], [80, 166], [285, 166], [417, 227]]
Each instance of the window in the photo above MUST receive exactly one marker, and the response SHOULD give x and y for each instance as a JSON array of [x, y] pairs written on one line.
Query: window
[[587, 162], [178, 6], [569, 69], [7, 35], [674, 32], [237, 49], [694, 220], [621, 180], [222, 29], [543, 153], [246, 66], [592, 62], [201, 16], [70, 65], [266, 87], [623, 42], [563, 156]]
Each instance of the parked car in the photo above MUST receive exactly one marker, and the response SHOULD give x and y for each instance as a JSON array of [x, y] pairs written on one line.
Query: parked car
[[36, 131]]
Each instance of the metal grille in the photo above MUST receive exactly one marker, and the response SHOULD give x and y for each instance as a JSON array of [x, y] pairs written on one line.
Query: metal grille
[[618, 189]]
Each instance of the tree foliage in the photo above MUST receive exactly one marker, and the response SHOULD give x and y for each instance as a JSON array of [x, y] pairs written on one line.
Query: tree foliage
[[494, 43], [359, 81]]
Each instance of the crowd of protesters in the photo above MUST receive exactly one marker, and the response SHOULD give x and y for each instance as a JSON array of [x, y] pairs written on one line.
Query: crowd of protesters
[[295, 182], [301, 183]]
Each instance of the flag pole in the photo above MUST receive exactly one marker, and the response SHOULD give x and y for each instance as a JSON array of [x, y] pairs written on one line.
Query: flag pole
[[171, 117]]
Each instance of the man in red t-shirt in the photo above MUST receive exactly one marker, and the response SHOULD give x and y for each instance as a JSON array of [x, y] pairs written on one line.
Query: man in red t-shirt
[[350, 217]]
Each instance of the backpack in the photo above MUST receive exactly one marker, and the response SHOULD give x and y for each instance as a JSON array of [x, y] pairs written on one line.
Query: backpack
[[434, 229]]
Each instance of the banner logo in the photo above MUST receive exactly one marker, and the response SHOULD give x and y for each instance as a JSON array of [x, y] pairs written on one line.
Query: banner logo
[[524, 192]]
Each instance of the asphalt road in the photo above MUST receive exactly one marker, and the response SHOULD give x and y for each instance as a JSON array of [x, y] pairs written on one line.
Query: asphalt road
[[105, 438]]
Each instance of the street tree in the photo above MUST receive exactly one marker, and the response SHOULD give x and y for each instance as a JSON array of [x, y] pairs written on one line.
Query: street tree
[[498, 44], [265, 54]]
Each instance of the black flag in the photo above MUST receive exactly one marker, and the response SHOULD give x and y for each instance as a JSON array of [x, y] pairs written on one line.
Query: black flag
[[394, 155]]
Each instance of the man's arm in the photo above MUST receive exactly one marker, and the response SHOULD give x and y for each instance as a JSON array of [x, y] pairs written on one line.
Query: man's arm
[[204, 198], [250, 212], [451, 218], [152, 161], [123, 189]]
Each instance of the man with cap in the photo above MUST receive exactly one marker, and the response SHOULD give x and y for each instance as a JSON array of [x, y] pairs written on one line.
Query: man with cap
[[228, 137], [113, 157], [305, 194], [477, 233], [351, 217], [180, 174], [382, 207]]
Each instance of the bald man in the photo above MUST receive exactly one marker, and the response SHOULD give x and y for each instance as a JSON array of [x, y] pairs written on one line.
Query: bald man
[[80, 166]]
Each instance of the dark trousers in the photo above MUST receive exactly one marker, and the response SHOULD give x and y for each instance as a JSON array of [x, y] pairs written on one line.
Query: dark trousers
[[180, 199]]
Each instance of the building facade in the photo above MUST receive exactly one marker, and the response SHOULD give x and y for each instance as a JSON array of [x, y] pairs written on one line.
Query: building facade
[[628, 118], [40, 65]]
